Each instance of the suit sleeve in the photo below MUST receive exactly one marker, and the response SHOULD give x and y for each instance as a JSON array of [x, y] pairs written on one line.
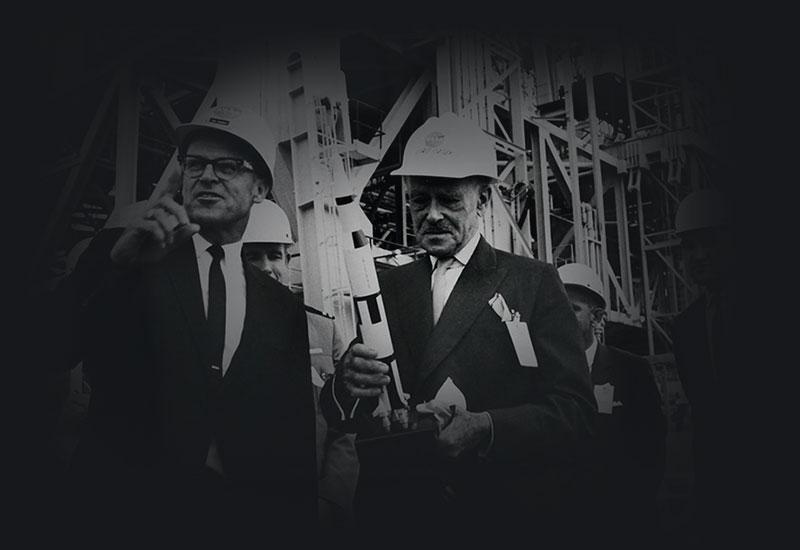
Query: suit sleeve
[[303, 474], [338, 347], [339, 475], [559, 420], [650, 427], [342, 412], [84, 298], [679, 351], [340, 467]]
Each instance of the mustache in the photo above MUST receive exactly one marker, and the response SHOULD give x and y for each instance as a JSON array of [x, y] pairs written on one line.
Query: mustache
[[437, 227]]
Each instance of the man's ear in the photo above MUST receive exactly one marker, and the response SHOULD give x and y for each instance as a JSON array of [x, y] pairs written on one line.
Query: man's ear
[[484, 194], [599, 316], [261, 190]]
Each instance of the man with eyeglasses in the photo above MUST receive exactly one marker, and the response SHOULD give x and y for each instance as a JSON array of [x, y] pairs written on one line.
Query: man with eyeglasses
[[201, 407]]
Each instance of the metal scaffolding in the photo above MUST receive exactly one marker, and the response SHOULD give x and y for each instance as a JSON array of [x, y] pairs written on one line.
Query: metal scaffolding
[[595, 146]]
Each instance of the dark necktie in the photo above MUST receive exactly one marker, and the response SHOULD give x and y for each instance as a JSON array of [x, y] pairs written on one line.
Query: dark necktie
[[216, 310]]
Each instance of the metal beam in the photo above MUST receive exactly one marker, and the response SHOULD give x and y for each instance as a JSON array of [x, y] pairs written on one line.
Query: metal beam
[[561, 134], [663, 244], [664, 186], [577, 219], [568, 236], [518, 135], [558, 169], [662, 332], [444, 91], [78, 176], [597, 175], [645, 271], [401, 109], [623, 237], [651, 117], [126, 170], [520, 238], [391, 126], [506, 170], [542, 196], [163, 110], [620, 292], [491, 86], [668, 263]]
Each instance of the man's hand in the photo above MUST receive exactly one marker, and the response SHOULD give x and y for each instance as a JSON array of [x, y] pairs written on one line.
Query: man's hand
[[442, 412], [162, 227], [466, 431], [361, 375]]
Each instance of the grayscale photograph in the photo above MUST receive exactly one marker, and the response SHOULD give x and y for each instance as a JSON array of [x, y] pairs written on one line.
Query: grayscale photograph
[[359, 284]]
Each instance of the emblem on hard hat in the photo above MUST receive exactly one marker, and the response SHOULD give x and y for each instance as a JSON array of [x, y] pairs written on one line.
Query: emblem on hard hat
[[223, 115], [227, 112], [434, 139]]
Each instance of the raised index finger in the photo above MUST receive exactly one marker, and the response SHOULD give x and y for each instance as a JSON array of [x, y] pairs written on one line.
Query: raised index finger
[[177, 210], [169, 184]]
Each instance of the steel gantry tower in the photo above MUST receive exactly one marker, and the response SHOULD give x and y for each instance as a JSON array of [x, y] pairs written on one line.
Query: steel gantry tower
[[596, 143]]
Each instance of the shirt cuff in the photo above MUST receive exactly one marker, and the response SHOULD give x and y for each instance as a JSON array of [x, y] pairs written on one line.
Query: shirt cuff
[[343, 415]]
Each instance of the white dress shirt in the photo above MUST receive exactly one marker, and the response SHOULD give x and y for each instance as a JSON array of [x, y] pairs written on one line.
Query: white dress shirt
[[591, 351], [235, 291], [461, 258], [235, 305]]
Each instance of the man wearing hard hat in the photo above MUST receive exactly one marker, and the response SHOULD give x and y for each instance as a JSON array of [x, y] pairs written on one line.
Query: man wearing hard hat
[[200, 368], [699, 343], [631, 427], [485, 341], [266, 245]]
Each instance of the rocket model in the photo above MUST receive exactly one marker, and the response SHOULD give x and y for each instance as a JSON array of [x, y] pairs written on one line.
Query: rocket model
[[373, 326]]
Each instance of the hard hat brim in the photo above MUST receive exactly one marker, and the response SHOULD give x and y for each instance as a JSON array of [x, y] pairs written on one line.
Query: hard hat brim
[[279, 241], [591, 291], [434, 173], [185, 130]]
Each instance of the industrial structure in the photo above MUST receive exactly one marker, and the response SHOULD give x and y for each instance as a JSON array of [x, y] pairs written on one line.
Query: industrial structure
[[597, 140]]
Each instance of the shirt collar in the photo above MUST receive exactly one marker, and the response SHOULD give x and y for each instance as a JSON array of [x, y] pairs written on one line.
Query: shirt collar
[[201, 244], [590, 352], [463, 256]]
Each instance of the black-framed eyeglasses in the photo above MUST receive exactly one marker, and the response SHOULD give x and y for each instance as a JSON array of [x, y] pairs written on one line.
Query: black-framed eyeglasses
[[224, 168]]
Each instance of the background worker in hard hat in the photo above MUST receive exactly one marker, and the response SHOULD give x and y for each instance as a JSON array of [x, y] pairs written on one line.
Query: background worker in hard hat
[[200, 408], [266, 245], [507, 380], [631, 427], [703, 356]]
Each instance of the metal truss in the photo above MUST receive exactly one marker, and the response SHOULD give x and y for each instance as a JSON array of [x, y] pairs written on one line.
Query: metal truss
[[578, 180]]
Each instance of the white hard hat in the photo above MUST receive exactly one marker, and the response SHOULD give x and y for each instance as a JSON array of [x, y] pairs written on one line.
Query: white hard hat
[[700, 210], [268, 223], [448, 147], [239, 122], [583, 276], [122, 216]]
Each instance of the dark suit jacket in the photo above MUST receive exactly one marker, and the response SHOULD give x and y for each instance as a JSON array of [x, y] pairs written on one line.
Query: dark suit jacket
[[141, 334], [630, 443], [541, 416], [337, 461], [712, 402]]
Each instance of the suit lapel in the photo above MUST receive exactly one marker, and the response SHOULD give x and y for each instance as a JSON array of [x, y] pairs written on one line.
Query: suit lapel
[[475, 287], [600, 367], [261, 326], [415, 311], [181, 267]]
